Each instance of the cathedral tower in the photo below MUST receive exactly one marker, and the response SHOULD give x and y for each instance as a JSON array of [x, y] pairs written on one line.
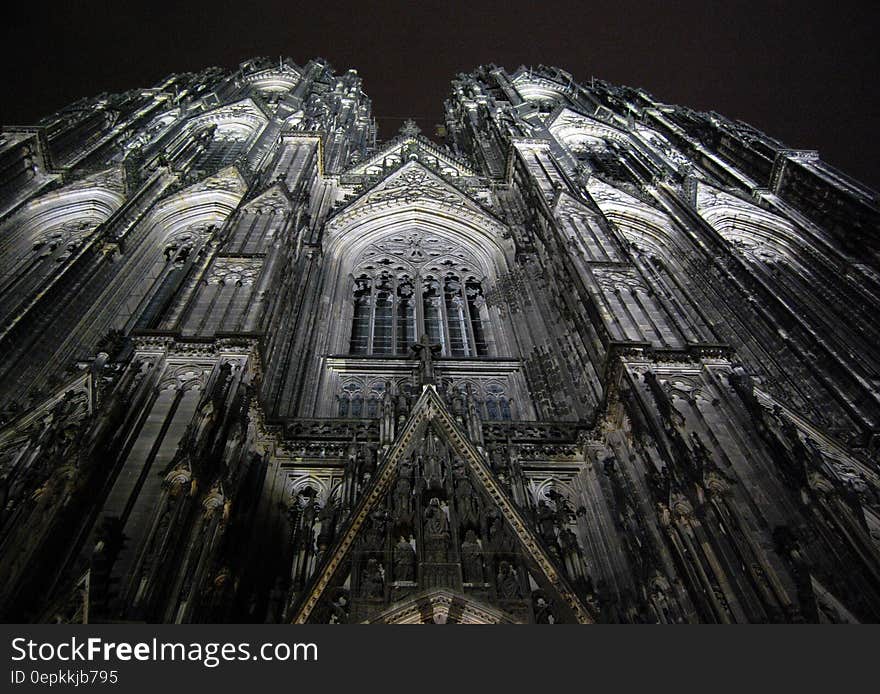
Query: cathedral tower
[[594, 358]]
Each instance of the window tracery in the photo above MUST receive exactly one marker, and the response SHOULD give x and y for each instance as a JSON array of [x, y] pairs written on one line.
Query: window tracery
[[409, 285], [361, 398]]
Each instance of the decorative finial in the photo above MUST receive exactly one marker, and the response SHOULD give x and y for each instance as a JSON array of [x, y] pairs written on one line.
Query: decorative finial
[[409, 128]]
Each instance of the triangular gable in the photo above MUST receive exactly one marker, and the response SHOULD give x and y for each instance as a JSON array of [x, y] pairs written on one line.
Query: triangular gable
[[228, 180], [709, 197], [275, 196], [401, 147], [223, 190], [431, 410], [525, 77], [286, 70], [112, 178], [842, 463], [412, 184], [566, 203]]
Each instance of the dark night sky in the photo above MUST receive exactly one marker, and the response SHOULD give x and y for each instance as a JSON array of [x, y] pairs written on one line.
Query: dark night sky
[[804, 75]]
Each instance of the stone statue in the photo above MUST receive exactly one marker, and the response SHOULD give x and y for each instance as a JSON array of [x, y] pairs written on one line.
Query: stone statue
[[310, 509], [571, 553], [327, 518], [432, 471], [404, 561], [506, 582], [339, 609], [368, 465], [374, 535], [702, 456], [387, 401], [467, 503], [436, 522], [500, 540], [402, 403], [387, 423], [372, 582], [543, 612], [500, 466], [426, 352], [459, 469], [403, 501], [568, 540], [471, 558], [564, 510], [546, 522], [436, 532], [458, 403], [351, 458], [406, 468]]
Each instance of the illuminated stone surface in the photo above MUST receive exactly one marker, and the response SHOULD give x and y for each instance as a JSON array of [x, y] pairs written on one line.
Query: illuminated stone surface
[[595, 358]]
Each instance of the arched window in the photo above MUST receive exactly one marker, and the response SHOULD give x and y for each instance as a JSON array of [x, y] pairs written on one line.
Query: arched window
[[386, 319], [351, 400], [224, 147], [356, 408], [421, 291], [383, 323], [497, 404], [432, 312], [476, 305], [406, 315], [374, 401], [360, 327], [356, 401], [180, 253], [455, 316]]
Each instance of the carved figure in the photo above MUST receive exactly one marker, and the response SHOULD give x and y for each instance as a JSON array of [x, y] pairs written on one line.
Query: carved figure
[[471, 558], [436, 532], [507, 582], [372, 581], [404, 561]]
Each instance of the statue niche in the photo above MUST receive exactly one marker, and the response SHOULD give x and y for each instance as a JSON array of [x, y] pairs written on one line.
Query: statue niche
[[402, 500], [372, 580], [436, 532], [467, 501], [507, 582], [376, 530], [432, 464], [472, 559], [404, 561]]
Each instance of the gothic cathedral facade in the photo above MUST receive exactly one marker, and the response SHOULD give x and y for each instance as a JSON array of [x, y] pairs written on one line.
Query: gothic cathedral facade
[[594, 358]]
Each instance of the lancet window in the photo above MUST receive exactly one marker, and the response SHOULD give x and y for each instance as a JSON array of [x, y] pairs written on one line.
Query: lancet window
[[430, 288], [225, 145]]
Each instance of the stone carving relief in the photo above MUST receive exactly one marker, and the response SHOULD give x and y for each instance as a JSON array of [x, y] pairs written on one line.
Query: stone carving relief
[[238, 271]]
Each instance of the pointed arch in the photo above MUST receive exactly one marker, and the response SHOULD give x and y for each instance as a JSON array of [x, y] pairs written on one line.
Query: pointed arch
[[781, 256], [44, 237], [417, 249], [430, 411], [164, 247]]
